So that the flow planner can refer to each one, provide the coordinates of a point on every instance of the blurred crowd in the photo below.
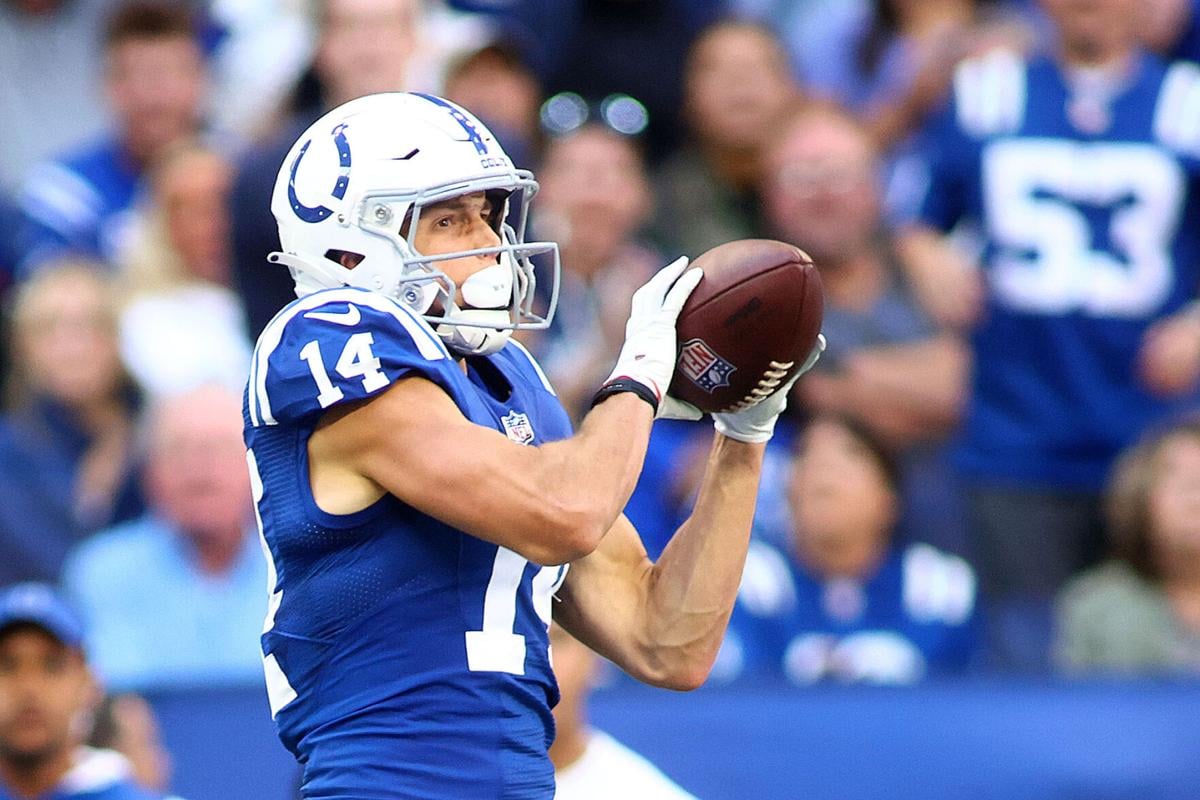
(994, 468)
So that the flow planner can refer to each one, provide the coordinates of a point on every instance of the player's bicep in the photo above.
(414, 442)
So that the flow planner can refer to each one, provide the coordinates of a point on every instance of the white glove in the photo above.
(757, 423)
(647, 358)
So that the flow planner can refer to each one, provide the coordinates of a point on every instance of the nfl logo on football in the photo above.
(703, 366)
(517, 426)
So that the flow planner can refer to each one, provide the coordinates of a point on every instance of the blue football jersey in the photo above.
(1086, 206)
(914, 617)
(404, 658)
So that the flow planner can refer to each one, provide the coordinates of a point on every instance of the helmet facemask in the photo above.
(478, 316)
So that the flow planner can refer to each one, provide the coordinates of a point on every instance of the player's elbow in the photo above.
(683, 677)
(567, 534)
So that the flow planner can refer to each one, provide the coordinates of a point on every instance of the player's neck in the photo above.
(27, 780)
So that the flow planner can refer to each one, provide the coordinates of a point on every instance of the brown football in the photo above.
(748, 325)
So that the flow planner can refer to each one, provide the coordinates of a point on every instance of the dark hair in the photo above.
(1127, 498)
(883, 454)
(149, 19)
(497, 53)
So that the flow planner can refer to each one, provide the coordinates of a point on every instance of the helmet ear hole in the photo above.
(346, 258)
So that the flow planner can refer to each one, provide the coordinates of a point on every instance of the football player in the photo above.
(419, 489)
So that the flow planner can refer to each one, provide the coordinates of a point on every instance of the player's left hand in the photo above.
(1169, 361)
(757, 423)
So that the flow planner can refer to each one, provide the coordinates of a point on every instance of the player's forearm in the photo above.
(693, 586)
(590, 476)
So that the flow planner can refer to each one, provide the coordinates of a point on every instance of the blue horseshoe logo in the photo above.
(318, 213)
(473, 135)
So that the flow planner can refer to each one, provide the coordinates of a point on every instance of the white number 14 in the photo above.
(356, 360)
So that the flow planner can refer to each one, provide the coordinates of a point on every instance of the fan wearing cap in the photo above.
(47, 693)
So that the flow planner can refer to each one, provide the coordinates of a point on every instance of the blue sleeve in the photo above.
(337, 347)
(59, 214)
(944, 156)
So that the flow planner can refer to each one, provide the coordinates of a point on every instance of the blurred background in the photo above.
(975, 569)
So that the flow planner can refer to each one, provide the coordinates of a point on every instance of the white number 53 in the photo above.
(1034, 191)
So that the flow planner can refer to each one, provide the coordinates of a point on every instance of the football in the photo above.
(748, 325)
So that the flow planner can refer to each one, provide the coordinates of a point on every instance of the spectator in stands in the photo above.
(588, 763)
(126, 723)
(594, 201)
(889, 367)
(500, 88)
(47, 693)
(66, 455)
(601, 47)
(154, 83)
(737, 86)
(50, 98)
(181, 324)
(363, 47)
(1078, 310)
(1140, 612)
(843, 599)
(906, 54)
(176, 598)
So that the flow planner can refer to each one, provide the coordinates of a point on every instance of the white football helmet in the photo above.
(361, 174)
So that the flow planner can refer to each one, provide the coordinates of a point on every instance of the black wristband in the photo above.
(626, 385)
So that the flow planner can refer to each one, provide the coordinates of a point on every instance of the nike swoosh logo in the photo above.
(348, 318)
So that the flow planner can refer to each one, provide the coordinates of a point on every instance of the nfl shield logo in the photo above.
(517, 427)
(704, 367)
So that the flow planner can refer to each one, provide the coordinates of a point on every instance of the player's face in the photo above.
(841, 501)
(45, 689)
(1175, 497)
(461, 223)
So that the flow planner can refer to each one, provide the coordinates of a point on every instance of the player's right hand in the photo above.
(648, 355)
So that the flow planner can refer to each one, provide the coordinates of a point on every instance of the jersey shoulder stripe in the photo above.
(536, 366)
(990, 94)
(324, 315)
(1177, 112)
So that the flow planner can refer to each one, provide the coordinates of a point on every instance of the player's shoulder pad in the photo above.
(1177, 110)
(337, 346)
(938, 586)
(990, 94)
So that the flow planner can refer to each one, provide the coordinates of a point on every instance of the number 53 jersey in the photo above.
(403, 658)
(1084, 193)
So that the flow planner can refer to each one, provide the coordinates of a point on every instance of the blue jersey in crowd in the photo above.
(913, 617)
(404, 658)
(95, 775)
(1087, 206)
(79, 204)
